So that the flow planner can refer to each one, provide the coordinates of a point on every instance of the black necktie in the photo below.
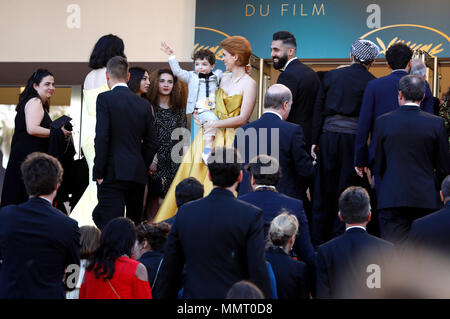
(205, 76)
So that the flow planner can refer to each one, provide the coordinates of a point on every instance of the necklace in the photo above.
(237, 79)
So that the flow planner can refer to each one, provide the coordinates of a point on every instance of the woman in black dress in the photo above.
(31, 132)
(168, 98)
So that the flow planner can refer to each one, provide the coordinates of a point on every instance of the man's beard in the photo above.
(281, 62)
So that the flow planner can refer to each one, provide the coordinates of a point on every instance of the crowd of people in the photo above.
(279, 207)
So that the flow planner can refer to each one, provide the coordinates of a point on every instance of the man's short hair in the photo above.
(412, 87)
(445, 187)
(117, 67)
(274, 98)
(398, 55)
(204, 54)
(354, 205)
(187, 190)
(286, 37)
(224, 165)
(418, 68)
(41, 174)
(259, 168)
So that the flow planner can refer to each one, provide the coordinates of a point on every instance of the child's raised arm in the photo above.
(166, 48)
(183, 75)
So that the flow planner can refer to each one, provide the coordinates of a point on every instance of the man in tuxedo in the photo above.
(380, 97)
(335, 121)
(432, 231)
(299, 78)
(352, 264)
(218, 237)
(266, 196)
(272, 135)
(125, 143)
(37, 241)
(411, 159)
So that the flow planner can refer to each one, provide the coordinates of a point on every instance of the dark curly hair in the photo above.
(117, 239)
(29, 92)
(136, 75)
(204, 54)
(107, 46)
(154, 233)
(178, 96)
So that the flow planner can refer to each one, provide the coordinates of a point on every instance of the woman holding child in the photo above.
(234, 103)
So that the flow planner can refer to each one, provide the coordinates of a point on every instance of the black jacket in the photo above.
(411, 158)
(220, 239)
(273, 203)
(291, 275)
(341, 93)
(37, 243)
(304, 85)
(289, 149)
(431, 232)
(125, 138)
(343, 264)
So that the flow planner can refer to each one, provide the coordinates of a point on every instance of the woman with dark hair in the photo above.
(112, 274)
(31, 132)
(235, 101)
(149, 248)
(139, 81)
(167, 95)
(106, 47)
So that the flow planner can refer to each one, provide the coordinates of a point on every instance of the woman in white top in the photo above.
(95, 83)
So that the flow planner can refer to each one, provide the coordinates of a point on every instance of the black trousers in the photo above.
(334, 173)
(395, 223)
(113, 196)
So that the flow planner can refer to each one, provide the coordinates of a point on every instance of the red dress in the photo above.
(123, 285)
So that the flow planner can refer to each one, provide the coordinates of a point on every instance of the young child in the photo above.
(202, 85)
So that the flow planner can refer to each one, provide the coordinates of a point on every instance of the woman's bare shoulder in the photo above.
(33, 103)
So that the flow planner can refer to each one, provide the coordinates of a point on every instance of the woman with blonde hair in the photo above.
(290, 274)
(235, 101)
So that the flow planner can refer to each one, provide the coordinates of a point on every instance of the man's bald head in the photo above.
(276, 96)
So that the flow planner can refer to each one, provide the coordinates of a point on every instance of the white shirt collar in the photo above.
(265, 186)
(355, 227)
(287, 63)
(273, 112)
(398, 70)
(412, 103)
(119, 84)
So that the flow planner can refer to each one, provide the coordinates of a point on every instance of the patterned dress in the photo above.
(167, 120)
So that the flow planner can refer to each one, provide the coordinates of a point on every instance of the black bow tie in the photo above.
(205, 76)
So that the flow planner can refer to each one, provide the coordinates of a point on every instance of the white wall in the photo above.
(38, 31)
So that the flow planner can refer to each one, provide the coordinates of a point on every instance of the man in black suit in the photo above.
(335, 121)
(272, 135)
(411, 159)
(124, 147)
(299, 78)
(266, 196)
(219, 238)
(352, 264)
(432, 231)
(37, 241)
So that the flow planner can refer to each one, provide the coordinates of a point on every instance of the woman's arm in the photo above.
(34, 113)
(248, 104)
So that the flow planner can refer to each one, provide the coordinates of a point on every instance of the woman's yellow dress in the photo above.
(192, 164)
(82, 212)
